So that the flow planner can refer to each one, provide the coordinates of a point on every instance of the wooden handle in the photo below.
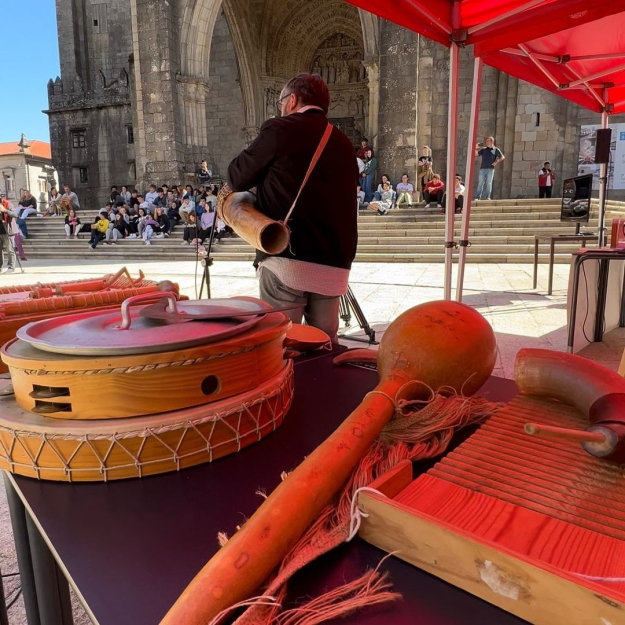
(240, 567)
(548, 431)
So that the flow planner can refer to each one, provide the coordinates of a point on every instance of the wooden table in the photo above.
(553, 238)
(129, 548)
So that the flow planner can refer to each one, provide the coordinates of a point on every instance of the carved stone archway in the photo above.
(198, 19)
(296, 32)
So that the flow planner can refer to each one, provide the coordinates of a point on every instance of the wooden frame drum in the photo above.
(76, 450)
(88, 387)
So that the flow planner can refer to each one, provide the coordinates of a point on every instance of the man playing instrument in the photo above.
(314, 269)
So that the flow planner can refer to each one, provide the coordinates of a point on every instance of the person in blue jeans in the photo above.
(368, 175)
(491, 157)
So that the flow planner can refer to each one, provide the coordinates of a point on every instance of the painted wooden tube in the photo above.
(591, 388)
(463, 341)
(237, 211)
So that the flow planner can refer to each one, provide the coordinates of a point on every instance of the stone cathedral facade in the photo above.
(148, 88)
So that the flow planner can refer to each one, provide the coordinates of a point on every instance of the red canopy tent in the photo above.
(570, 47)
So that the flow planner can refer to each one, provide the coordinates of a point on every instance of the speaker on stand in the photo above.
(602, 157)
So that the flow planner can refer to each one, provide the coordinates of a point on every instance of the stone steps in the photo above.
(501, 231)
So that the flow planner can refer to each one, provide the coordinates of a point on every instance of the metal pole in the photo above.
(468, 180)
(452, 142)
(603, 186)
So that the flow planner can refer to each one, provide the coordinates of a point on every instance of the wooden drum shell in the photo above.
(73, 450)
(112, 387)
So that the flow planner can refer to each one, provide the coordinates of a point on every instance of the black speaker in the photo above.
(602, 147)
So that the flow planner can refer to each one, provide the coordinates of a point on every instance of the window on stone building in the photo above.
(130, 134)
(79, 138)
(42, 183)
(99, 19)
(81, 174)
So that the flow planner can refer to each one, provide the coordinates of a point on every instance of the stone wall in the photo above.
(108, 158)
(397, 109)
(92, 96)
(224, 103)
(190, 91)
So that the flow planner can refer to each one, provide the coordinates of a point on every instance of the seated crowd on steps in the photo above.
(428, 189)
(128, 215)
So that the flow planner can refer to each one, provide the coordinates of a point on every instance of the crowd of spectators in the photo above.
(427, 191)
(131, 214)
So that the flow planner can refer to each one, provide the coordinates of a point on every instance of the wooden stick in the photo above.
(548, 431)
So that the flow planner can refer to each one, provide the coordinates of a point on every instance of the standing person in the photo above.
(363, 149)
(7, 216)
(433, 191)
(404, 191)
(491, 157)
(368, 175)
(546, 178)
(425, 169)
(314, 269)
(204, 174)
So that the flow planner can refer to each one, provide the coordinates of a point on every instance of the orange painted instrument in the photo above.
(531, 523)
(112, 395)
(438, 344)
(237, 210)
(20, 305)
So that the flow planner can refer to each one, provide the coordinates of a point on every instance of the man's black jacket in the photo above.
(323, 224)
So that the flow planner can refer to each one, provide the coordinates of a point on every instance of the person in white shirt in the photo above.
(459, 190)
(404, 191)
(360, 196)
(386, 201)
(151, 195)
(186, 208)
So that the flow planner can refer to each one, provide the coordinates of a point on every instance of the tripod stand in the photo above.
(207, 263)
(349, 304)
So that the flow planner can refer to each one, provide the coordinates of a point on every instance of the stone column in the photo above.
(398, 92)
(193, 96)
(373, 82)
(158, 132)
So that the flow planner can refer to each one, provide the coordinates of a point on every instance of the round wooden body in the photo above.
(114, 387)
(73, 450)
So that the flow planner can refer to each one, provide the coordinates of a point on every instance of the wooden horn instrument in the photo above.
(591, 388)
(438, 343)
(237, 211)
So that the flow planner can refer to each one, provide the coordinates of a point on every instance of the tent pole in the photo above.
(452, 141)
(603, 187)
(468, 180)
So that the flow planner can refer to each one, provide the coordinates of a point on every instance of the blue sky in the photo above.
(30, 57)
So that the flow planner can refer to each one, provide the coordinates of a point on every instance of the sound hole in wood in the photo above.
(44, 407)
(48, 392)
(210, 385)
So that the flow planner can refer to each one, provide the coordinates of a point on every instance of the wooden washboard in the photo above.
(513, 519)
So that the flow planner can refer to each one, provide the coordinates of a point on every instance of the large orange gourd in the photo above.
(441, 344)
